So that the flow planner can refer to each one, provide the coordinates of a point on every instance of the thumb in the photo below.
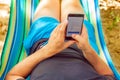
(76, 37)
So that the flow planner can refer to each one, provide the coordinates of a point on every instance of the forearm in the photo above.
(56, 43)
(99, 65)
(24, 68)
(83, 43)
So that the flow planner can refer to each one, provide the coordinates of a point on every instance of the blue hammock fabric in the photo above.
(91, 8)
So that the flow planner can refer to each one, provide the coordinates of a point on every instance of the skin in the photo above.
(56, 41)
(45, 8)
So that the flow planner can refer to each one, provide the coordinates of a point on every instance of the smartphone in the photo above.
(75, 24)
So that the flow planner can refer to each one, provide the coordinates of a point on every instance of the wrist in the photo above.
(87, 48)
(48, 52)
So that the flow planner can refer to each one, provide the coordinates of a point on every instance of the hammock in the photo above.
(21, 14)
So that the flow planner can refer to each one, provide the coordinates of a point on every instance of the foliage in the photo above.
(115, 17)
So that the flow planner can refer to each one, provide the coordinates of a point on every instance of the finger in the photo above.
(60, 29)
(64, 25)
(76, 37)
(84, 30)
(56, 30)
(67, 44)
(63, 28)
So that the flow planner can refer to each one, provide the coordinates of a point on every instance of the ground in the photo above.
(111, 28)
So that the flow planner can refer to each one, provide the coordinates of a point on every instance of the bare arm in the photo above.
(55, 44)
(22, 69)
(99, 65)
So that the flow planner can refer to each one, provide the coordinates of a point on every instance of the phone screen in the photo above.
(75, 24)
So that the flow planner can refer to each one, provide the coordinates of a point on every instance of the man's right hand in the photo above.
(56, 41)
(82, 40)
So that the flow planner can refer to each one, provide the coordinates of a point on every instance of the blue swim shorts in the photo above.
(42, 28)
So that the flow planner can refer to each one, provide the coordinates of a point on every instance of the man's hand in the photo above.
(99, 65)
(82, 40)
(56, 41)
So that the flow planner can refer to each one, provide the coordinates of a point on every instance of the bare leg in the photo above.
(70, 6)
(50, 8)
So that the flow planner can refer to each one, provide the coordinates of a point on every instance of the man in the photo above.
(57, 59)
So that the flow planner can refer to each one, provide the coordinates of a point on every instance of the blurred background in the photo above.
(4, 19)
(110, 14)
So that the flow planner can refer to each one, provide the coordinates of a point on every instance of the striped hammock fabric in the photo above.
(21, 14)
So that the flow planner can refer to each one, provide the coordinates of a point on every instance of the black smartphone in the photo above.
(75, 24)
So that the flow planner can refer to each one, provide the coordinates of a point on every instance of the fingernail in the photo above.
(73, 35)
